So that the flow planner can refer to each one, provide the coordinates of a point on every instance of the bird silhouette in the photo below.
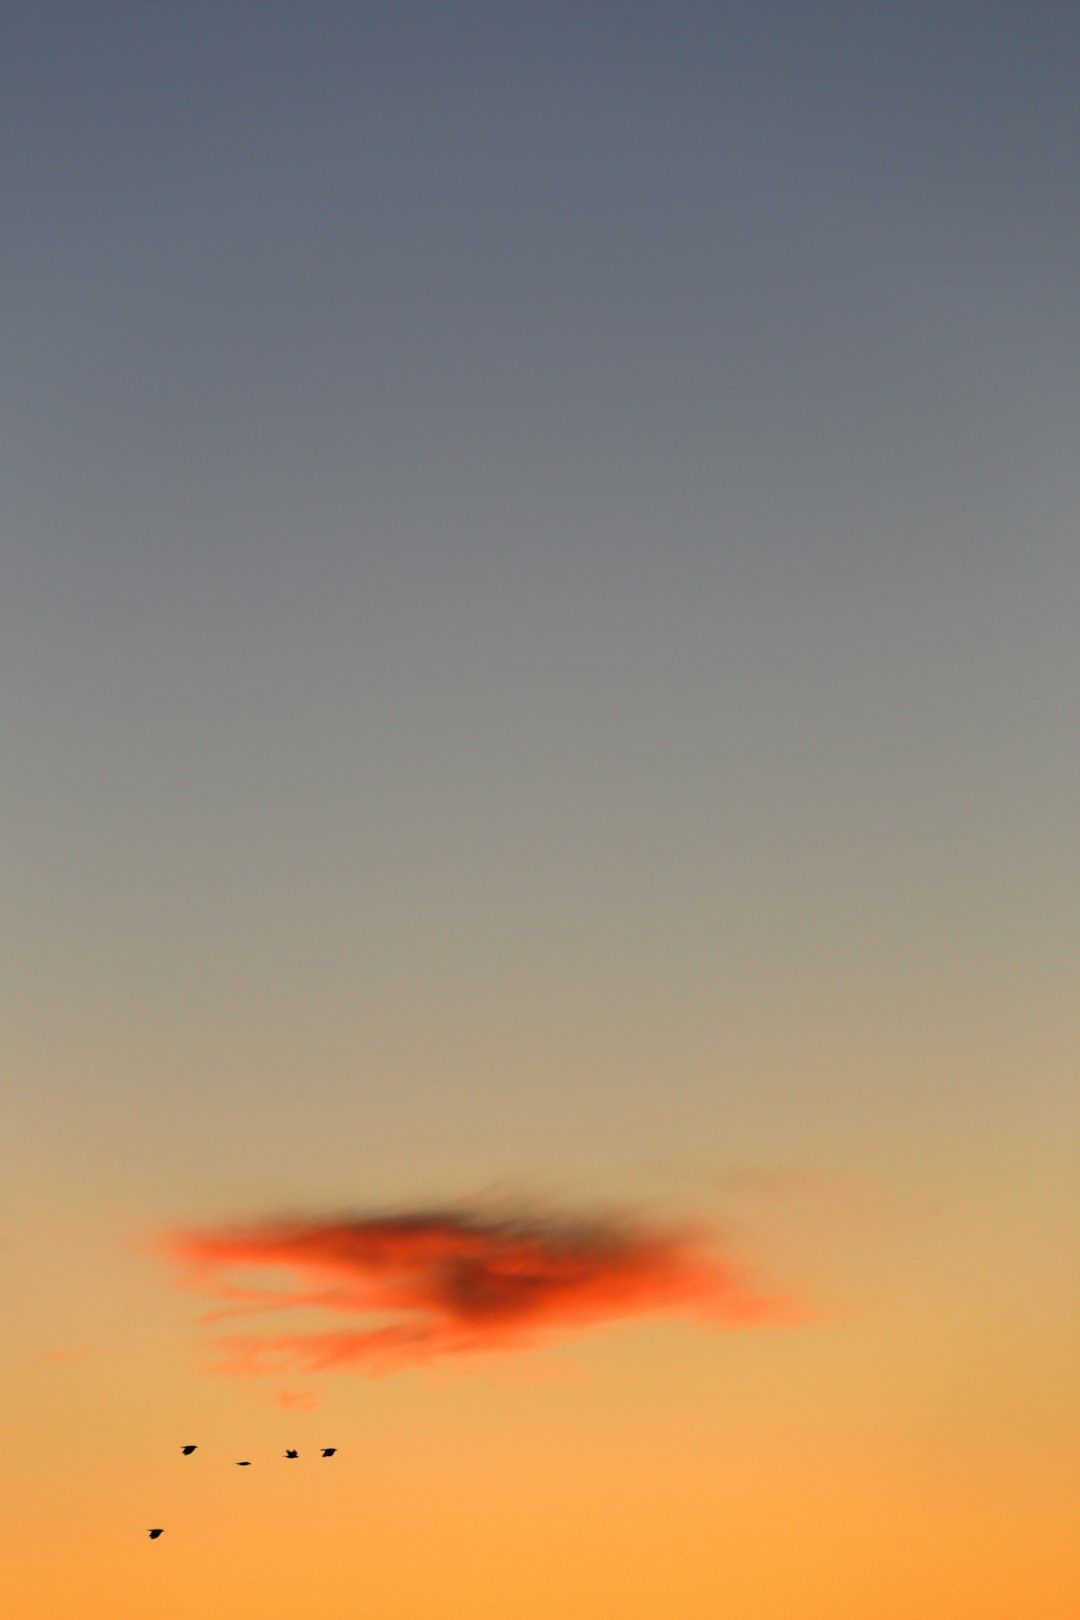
(187, 1450)
(328, 1451)
(153, 1534)
(243, 1465)
(292, 1454)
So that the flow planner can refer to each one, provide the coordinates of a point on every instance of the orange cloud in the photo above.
(453, 1282)
(63, 1358)
(297, 1400)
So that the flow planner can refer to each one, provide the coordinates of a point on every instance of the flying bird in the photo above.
(153, 1534)
(292, 1454)
(243, 1465)
(328, 1451)
(187, 1450)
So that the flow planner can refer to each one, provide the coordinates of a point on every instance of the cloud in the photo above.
(297, 1400)
(65, 1357)
(425, 1284)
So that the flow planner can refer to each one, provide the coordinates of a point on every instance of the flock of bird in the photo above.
(326, 1451)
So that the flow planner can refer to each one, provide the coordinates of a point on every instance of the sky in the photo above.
(538, 684)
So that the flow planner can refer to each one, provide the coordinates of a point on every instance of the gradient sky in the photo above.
(539, 674)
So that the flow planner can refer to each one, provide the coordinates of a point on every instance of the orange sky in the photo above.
(538, 684)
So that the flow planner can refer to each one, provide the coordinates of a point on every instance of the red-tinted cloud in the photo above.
(455, 1282)
(297, 1400)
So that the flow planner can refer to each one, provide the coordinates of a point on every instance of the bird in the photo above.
(243, 1465)
(153, 1534)
(328, 1451)
(292, 1454)
(187, 1450)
